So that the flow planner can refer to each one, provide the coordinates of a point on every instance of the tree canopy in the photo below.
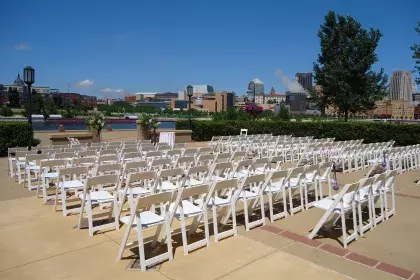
(343, 69)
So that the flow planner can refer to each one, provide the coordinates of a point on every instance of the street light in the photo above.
(29, 79)
(189, 94)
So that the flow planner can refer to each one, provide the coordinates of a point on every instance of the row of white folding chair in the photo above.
(352, 200)
(259, 184)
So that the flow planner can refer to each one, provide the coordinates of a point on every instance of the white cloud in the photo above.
(111, 90)
(85, 83)
(107, 90)
(22, 47)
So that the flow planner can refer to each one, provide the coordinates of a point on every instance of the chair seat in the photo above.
(195, 182)
(215, 178)
(247, 194)
(148, 219)
(33, 167)
(326, 203)
(136, 191)
(217, 201)
(99, 196)
(51, 175)
(166, 186)
(293, 183)
(238, 175)
(188, 208)
(75, 184)
(274, 188)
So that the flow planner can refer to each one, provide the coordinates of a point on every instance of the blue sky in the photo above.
(155, 46)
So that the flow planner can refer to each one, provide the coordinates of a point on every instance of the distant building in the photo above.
(304, 79)
(296, 101)
(401, 85)
(272, 91)
(1, 95)
(132, 98)
(182, 94)
(218, 102)
(240, 102)
(157, 104)
(255, 87)
(259, 98)
(166, 96)
(88, 100)
(179, 104)
(276, 98)
(199, 90)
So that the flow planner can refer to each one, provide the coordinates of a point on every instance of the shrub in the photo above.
(402, 134)
(15, 134)
(6, 111)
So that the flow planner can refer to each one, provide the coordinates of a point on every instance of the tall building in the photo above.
(199, 90)
(401, 86)
(255, 87)
(218, 102)
(296, 101)
(304, 79)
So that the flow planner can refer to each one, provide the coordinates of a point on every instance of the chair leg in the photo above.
(215, 224)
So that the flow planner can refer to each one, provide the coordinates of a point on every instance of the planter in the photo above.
(96, 135)
(143, 132)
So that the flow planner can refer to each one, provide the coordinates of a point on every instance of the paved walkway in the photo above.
(38, 243)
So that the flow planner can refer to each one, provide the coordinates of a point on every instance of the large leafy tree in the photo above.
(343, 69)
(416, 55)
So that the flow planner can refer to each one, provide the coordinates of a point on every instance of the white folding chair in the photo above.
(145, 217)
(136, 184)
(32, 169)
(107, 159)
(113, 168)
(389, 187)
(343, 205)
(70, 181)
(94, 194)
(221, 196)
(184, 162)
(275, 189)
(168, 180)
(251, 198)
(49, 170)
(197, 175)
(186, 209)
(295, 184)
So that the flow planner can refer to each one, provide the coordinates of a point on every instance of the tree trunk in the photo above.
(346, 115)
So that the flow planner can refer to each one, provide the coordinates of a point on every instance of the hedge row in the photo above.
(402, 134)
(14, 134)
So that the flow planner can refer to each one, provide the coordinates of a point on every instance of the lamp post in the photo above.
(189, 94)
(29, 79)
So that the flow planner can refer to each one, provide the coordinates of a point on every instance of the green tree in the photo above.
(343, 68)
(283, 115)
(266, 114)
(416, 55)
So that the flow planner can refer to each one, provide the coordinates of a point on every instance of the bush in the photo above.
(6, 111)
(402, 134)
(15, 134)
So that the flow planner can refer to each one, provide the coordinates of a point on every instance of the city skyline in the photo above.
(80, 45)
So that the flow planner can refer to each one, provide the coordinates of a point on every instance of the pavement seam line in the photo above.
(318, 265)
(165, 275)
(248, 263)
(50, 257)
